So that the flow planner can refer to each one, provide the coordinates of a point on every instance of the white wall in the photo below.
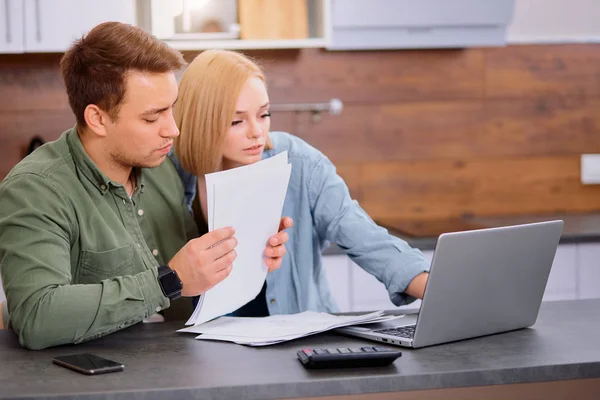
(555, 21)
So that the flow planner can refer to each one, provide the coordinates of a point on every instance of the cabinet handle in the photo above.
(38, 29)
(7, 18)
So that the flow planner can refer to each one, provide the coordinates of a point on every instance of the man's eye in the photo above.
(234, 123)
(149, 121)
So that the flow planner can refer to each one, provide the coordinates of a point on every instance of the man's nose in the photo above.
(171, 129)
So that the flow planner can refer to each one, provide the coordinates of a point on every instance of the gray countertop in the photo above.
(578, 228)
(162, 364)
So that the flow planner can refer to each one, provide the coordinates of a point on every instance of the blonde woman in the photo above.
(223, 117)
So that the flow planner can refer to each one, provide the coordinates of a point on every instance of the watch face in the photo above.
(171, 282)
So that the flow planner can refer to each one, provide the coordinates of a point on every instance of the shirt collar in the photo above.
(90, 170)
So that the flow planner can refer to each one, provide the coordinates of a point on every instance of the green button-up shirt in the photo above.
(78, 257)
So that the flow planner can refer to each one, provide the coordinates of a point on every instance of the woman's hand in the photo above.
(276, 245)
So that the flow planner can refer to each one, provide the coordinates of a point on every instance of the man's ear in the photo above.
(96, 119)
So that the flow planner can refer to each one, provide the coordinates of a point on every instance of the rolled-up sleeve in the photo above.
(341, 220)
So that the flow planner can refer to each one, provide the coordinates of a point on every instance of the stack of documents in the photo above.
(249, 199)
(278, 328)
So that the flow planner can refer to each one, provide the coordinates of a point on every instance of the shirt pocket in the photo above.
(109, 264)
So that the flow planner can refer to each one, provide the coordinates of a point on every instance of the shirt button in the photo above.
(140, 212)
(103, 187)
(155, 252)
(272, 301)
(159, 308)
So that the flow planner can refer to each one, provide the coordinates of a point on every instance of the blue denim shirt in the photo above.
(319, 202)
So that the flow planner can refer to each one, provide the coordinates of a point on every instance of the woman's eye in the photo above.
(266, 115)
(234, 123)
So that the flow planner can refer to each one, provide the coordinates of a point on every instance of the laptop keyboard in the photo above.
(407, 332)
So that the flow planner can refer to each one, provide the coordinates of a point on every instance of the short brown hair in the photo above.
(208, 93)
(95, 66)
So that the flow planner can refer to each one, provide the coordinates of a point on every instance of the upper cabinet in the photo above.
(406, 24)
(11, 26)
(51, 26)
(236, 24)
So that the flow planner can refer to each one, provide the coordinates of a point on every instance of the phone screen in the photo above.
(88, 364)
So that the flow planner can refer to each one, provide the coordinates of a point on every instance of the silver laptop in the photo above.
(481, 282)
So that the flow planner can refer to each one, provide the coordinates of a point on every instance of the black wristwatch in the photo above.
(169, 282)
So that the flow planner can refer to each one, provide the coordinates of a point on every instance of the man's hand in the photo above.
(276, 245)
(205, 261)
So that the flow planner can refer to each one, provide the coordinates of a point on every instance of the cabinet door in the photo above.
(337, 271)
(11, 26)
(589, 270)
(562, 282)
(51, 26)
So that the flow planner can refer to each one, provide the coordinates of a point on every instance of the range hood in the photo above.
(406, 24)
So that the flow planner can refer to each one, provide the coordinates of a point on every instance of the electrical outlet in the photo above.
(590, 169)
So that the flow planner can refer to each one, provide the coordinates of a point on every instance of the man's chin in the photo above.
(152, 163)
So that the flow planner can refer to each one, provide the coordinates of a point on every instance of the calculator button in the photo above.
(355, 350)
(368, 349)
(381, 349)
(332, 351)
(308, 352)
(320, 351)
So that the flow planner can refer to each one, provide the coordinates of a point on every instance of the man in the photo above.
(94, 232)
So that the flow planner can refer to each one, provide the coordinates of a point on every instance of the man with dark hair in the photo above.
(94, 232)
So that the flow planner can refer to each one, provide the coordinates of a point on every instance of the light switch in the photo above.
(590, 169)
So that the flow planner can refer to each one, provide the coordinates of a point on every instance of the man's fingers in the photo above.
(222, 274)
(209, 239)
(221, 249)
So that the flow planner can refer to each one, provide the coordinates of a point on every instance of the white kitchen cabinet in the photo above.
(562, 282)
(11, 26)
(337, 269)
(52, 25)
(589, 270)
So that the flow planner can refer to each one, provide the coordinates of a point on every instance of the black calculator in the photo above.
(347, 357)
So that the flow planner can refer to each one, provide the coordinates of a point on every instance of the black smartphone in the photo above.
(88, 364)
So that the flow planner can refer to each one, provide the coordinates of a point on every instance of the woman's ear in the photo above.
(96, 119)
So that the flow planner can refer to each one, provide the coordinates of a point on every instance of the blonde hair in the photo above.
(208, 93)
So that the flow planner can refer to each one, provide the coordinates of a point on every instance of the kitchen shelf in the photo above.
(241, 44)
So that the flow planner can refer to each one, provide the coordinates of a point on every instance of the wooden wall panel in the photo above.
(376, 77)
(31, 82)
(497, 186)
(458, 129)
(534, 71)
(423, 135)
(541, 126)
(18, 128)
(396, 131)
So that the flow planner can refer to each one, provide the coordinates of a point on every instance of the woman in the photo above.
(223, 117)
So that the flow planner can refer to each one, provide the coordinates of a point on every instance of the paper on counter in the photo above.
(278, 328)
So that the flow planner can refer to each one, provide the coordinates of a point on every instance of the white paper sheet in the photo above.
(250, 199)
(278, 328)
